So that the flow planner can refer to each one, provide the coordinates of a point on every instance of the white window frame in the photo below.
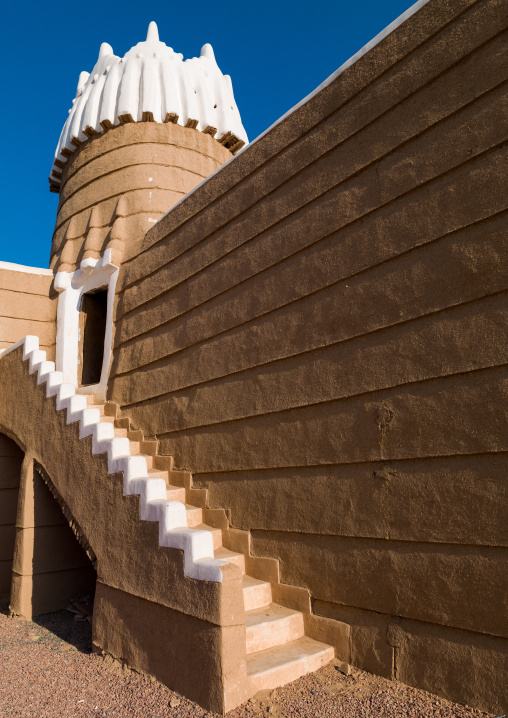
(92, 274)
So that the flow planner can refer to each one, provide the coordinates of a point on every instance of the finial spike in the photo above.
(207, 51)
(106, 49)
(83, 77)
(153, 33)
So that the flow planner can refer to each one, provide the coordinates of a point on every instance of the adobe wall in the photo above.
(197, 626)
(27, 306)
(319, 333)
(149, 166)
(49, 566)
(11, 458)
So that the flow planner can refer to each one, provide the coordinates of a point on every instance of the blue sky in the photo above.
(276, 53)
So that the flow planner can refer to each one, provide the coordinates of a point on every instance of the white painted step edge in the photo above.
(197, 544)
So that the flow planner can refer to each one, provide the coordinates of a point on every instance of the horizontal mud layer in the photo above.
(27, 306)
(423, 654)
(381, 82)
(150, 165)
(318, 332)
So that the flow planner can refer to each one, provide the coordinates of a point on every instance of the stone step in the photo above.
(271, 626)
(149, 462)
(226, 555)
(174, 493)
(90, 400)
(159, 474)
(277, 666)
(277, 649)
(149, 446)
(216, 534)
(164, 463)
(135, 448)
(256, 593)
(194, 515)
(179, 476)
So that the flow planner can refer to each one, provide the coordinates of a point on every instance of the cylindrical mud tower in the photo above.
(143, 131)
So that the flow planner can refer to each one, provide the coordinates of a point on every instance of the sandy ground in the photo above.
(47, 670)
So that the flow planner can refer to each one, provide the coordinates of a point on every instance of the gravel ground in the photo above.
(47, 670)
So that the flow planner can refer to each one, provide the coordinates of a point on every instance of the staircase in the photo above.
(277, 648)
(278, 651)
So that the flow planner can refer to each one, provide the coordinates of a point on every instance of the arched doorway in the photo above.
(11, 458)
(46, 560)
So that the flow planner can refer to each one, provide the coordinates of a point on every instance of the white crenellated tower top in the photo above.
(151, 83)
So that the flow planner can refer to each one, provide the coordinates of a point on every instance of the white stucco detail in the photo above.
(150, 83)
(197, 544)
(11, 267)
(92, 274)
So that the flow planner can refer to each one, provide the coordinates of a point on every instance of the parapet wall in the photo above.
(319, 333)
(27, 306)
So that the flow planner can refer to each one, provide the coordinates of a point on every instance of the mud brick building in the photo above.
(257, 403)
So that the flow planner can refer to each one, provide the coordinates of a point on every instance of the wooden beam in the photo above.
(90, 131)
(171, 117)
(125, 118)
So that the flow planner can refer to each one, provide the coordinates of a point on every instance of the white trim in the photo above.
(366, 48)
(28, 270)
(93, 274)
(363, 51)
(151, 78)
(197, 544)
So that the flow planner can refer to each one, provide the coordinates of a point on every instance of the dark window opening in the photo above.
(92, 325)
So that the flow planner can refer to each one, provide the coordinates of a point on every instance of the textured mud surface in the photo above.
(47, 670)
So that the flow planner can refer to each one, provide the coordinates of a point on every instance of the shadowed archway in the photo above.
(11, 459)
(45, 559)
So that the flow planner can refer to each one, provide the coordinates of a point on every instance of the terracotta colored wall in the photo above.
(49, 566)
(11, 458)
(204, 620)
(149, 166)
(27, 307)
(319, 333)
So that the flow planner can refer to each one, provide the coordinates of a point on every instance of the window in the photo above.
(92, 331)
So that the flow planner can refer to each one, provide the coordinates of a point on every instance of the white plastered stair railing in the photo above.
(196, 544)
(278, 649)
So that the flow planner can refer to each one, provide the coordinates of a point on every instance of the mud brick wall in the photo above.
(27, 308)
(319, 333)
(11, 458)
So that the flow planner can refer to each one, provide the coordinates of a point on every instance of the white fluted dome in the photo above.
(151, 83)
